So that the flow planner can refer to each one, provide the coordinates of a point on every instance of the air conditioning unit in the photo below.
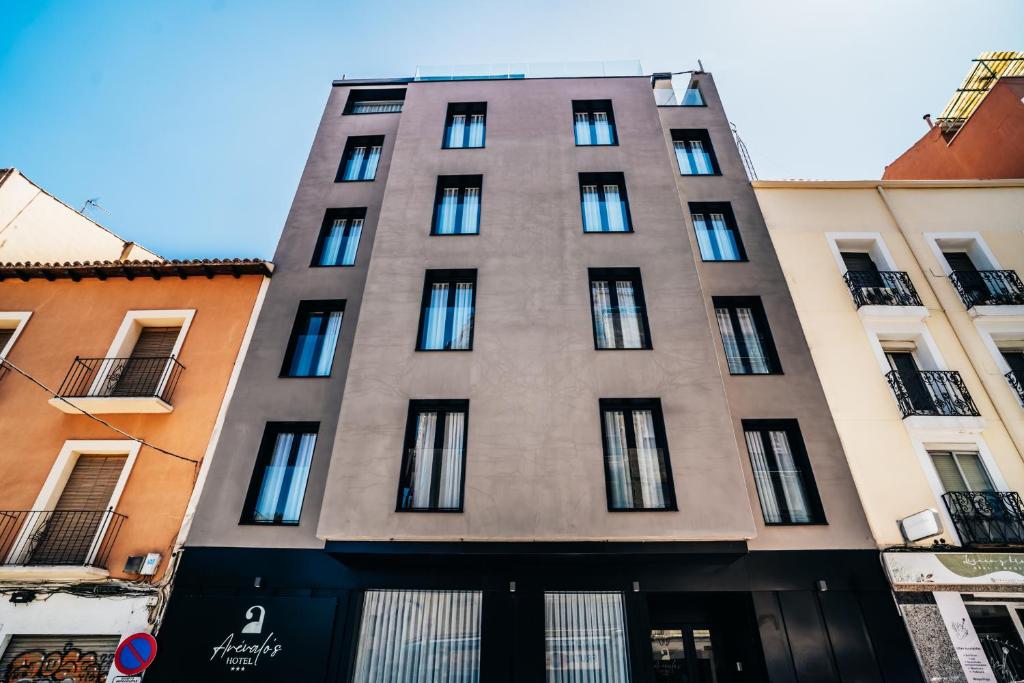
(921, 525)
(144, 565)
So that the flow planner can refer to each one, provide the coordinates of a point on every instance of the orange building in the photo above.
(91, 513)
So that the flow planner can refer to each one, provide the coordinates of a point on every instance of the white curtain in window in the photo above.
(300, 473)
(437, 310)
(724, 238)
(582, 129)
(370, 172)
(604, 321)
(423, 459)
(585, 638)
(419, 637)
(447, 211)
(330, 342)
(476, 130)
(462, 322)
(789, 474)
(471, 211)
(651, 485)
(629, 318)
(355, 164)
(704, 241)
(591, 209)
(450, 488)
(700, 160)
(457, 131)
(332, 243)
(732, 349)
(616, 211)
(348, 256)
(763, 478)
(273, 478)
(752, 340)
(616, 456)
(602, 129)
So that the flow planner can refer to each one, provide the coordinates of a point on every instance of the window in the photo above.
(717, 235)
(435, 456)
(339, 237)
(457, 205)
(604, 203)
(782, 472)
(585, 638)
(961, 471)
(619, 311)
(593, 122)
(692, 96)
(694, 152)
(360, 159)
(11, 325)
(749, 349)
(381, 101)
(278, 482)
(446, 321)
(684, 654)
(419, 637)
(314, 338)
(465, 125)
(637, 471)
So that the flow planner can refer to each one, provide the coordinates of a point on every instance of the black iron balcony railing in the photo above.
(988, 287)
(1016, 384)
(986, 517)
(58, 537)
(122, 377)
(881, 288)
(932, 392)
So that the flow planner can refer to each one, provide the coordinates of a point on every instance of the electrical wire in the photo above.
(6, 363)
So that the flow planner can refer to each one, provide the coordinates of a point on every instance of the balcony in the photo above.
(57, 544)
(986, 518)
(932, 393)
(119, 385)
(988, 287)
(881, 288)
(1016, 384)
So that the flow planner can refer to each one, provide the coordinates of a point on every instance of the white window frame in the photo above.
(872, 242)
(971, 242)
(13, 320)
(994, 331)
(128, 333)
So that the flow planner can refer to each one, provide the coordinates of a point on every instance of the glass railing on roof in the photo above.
(513, 70)
(682, 92)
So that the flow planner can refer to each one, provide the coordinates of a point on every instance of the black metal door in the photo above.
(910, 376)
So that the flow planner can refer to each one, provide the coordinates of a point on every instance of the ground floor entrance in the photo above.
(562, 613)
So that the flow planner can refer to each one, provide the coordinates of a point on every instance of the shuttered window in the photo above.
(83, 659)
(960, 471)
(144, 370)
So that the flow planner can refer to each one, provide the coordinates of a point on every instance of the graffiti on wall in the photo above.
(69, 664)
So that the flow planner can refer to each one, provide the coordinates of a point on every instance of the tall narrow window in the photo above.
(604, 203)
(594, 122)
(360, 158)
(465, 125)
(717, 236)
(446, 321)
(314, 338)
(339, 237)
(375, 101)
(694, 153)
(585, 638)
(435, 456)
(278, 482)
(457, 205)
(419, 637)
(749, 349)
(619, 311)
(961, 471)
(782, 472)
(636, 458)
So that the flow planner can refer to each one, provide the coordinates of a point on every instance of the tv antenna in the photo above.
(92, 203)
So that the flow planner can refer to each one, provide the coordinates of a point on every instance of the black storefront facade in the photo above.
(692, 611)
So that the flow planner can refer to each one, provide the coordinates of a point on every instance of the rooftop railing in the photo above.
(518, 70)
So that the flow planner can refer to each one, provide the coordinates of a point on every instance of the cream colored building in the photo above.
(36, 227)
(909, 295)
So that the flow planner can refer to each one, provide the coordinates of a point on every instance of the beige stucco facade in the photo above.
(905, 226)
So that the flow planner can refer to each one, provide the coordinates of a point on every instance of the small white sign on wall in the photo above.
(965, 639)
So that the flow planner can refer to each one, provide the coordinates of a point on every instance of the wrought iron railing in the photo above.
(932, 392)
(988, 287)
(986, 517)
(122, 377)
(881, 288)
(58, 537)
(1016, 383)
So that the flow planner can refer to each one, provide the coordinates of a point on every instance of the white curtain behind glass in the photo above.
(342, 241)
(629, 318)
(370, 172)
(300, 473)
(433, 330)
(651, 486)
(602, 129)
(582, 129)
(457, 131)
(355, 163)
(471, 211)
(330, 342)
(792, 481)
(716, 241)
(585, 638)
(450, 486)
(476, 130)
(447, 212)
(604, 320)
(755, 350)
(591, 209)
(419, 637)
(614, 207)
(462, 314)
(273, 478)
(284, 482)
(616, 454)
(732, 349)
(423, 459)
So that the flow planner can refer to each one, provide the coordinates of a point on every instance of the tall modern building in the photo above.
(529, 399)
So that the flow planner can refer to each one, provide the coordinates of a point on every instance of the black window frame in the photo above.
(451, 276)
(357, 95)
(724, 208)
(441, 406)
(467, 109)
(589, 107)
(764, 330)
(461, 182)
(635, 278)
(305, 307)
(351, 143)
(702, 134)
(660, 435)
(266, 449)
(331, 215)
(600, 179)
(791, 427)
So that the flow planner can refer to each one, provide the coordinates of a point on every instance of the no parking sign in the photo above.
(135, 653)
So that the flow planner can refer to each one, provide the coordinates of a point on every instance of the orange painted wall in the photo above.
(989, 146)
(70, 319)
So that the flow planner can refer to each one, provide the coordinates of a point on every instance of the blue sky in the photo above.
(192, 120)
